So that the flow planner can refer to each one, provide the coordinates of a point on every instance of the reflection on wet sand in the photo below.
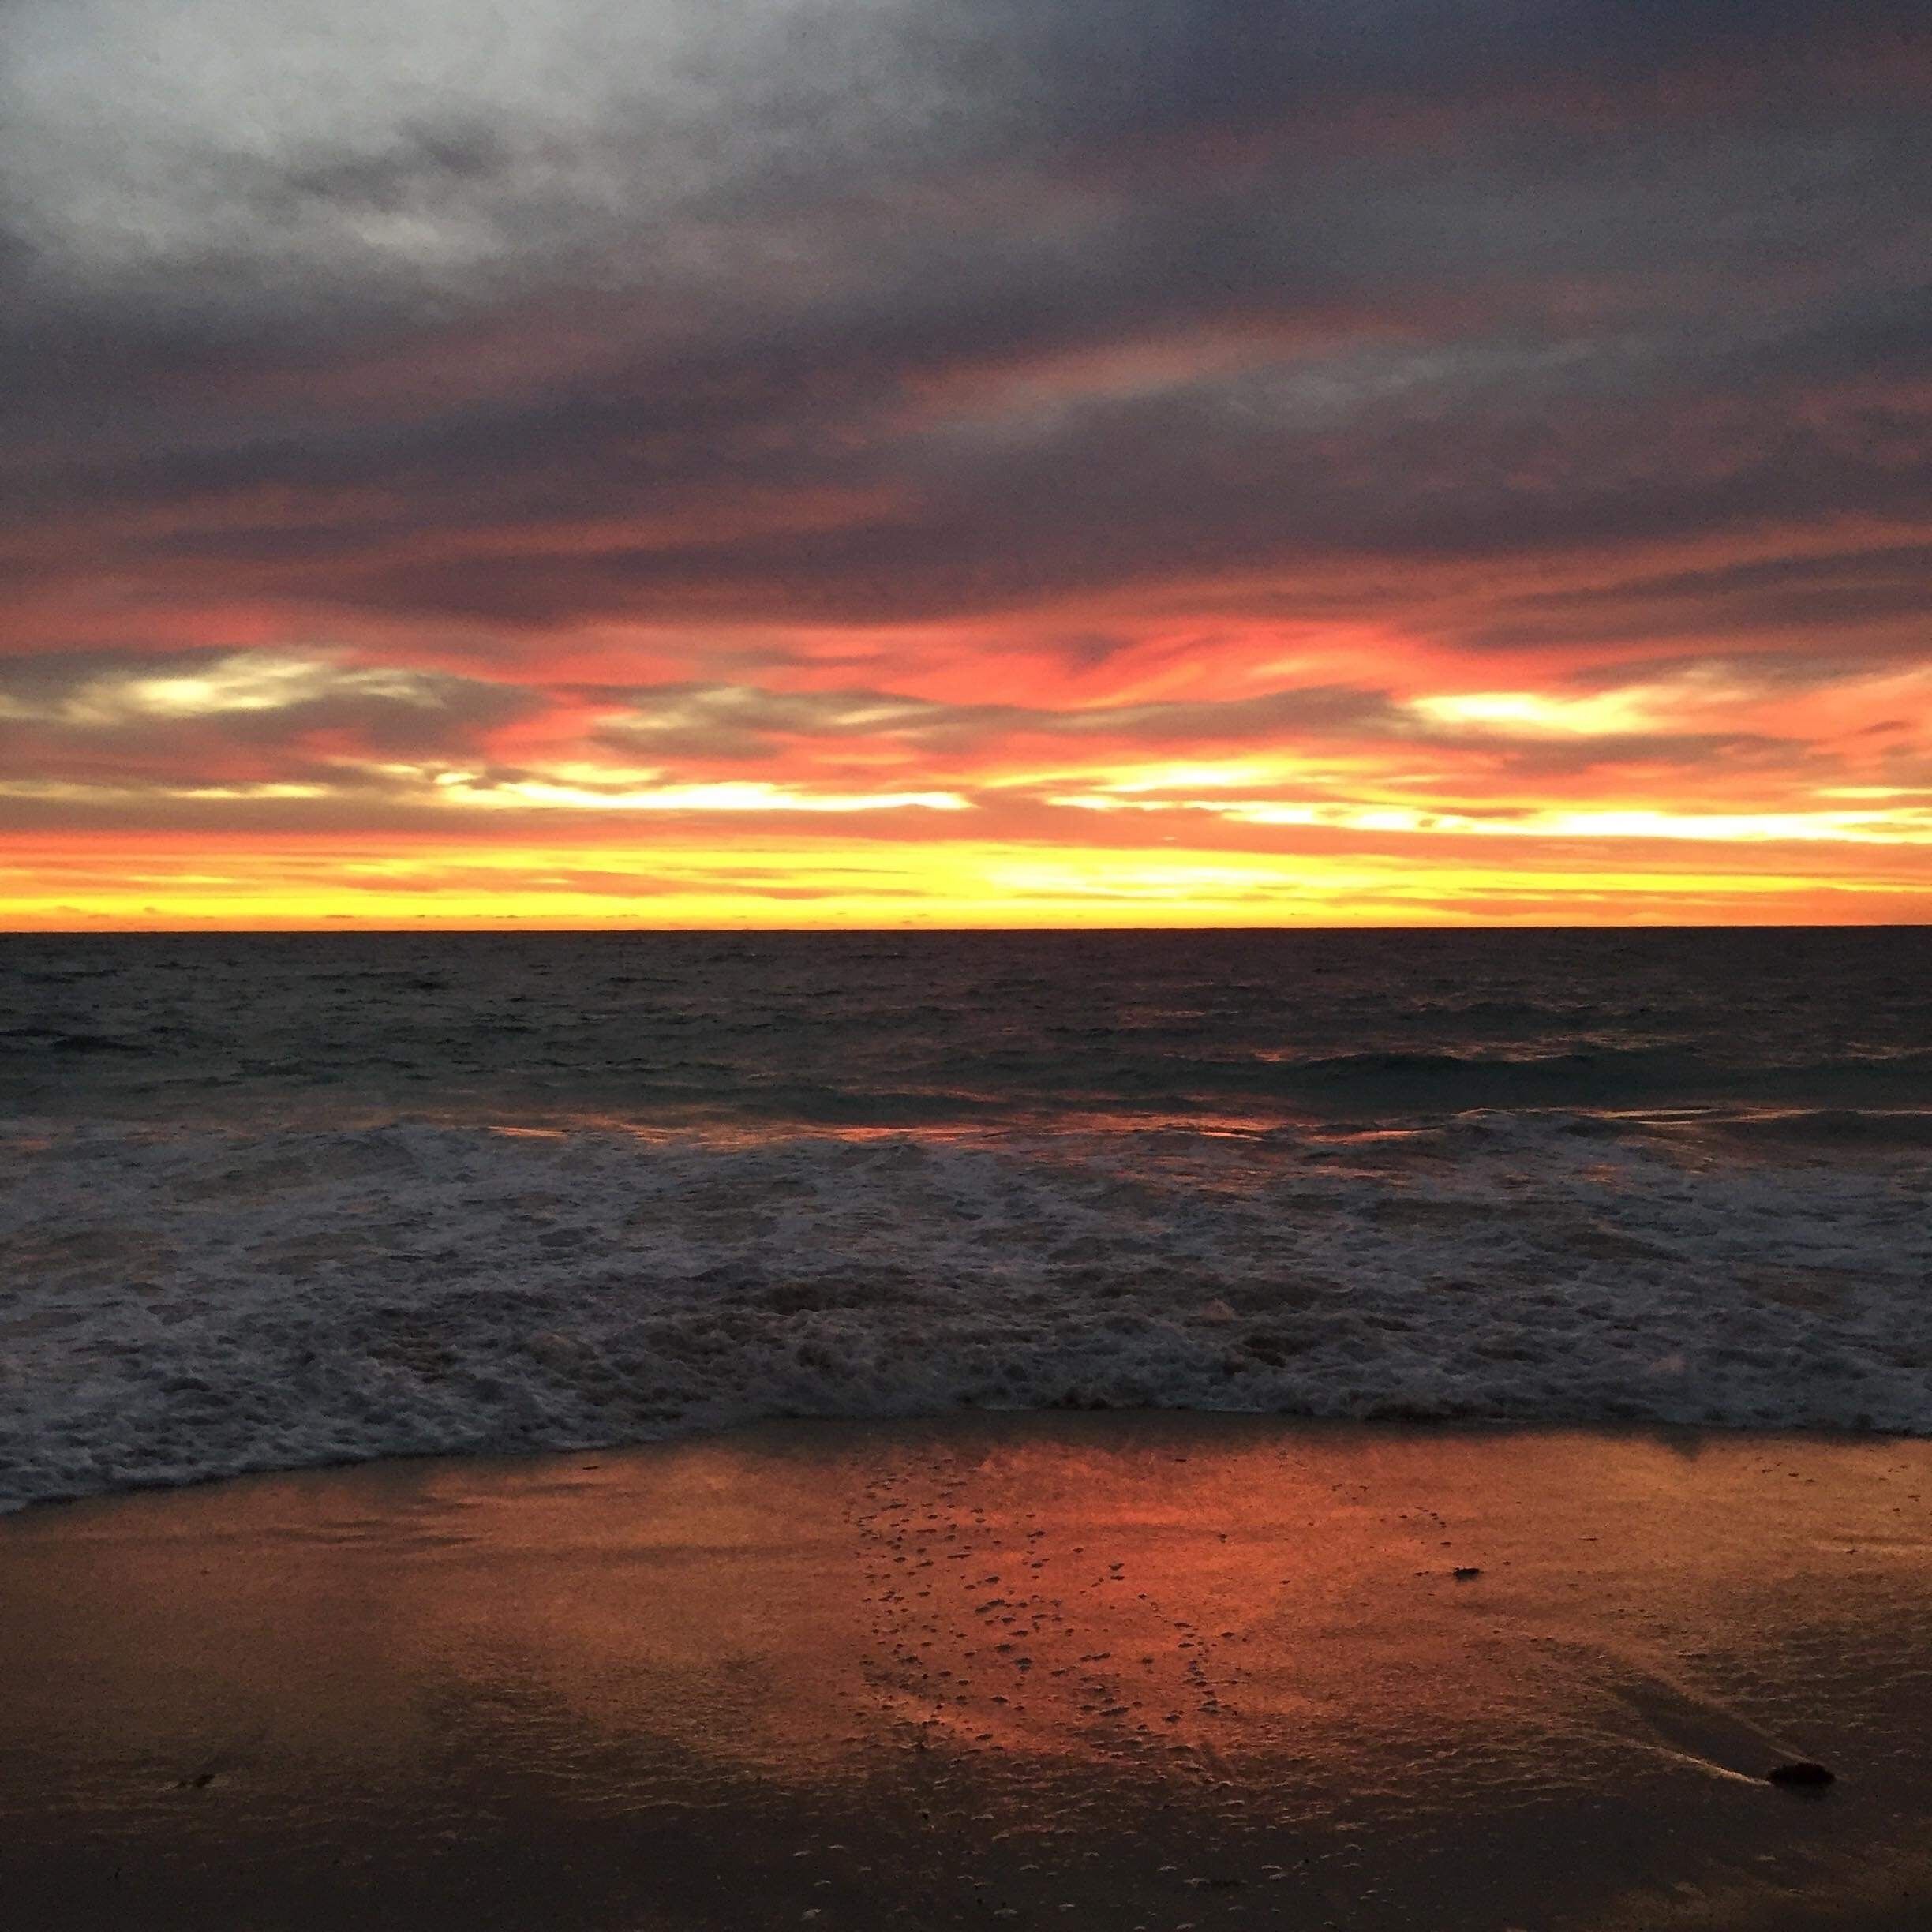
(1078, 1670)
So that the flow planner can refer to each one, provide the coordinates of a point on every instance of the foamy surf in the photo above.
(196, 1302)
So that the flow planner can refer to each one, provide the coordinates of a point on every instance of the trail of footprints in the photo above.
(945, 1579)
(986, 1656)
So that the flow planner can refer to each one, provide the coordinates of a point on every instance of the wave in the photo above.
(524, 1066)
(190, 1303)
(58, 1040)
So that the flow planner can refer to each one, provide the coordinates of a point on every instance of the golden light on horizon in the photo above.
(686, 880)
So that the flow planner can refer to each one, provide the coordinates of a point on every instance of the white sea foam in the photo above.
(178, 1305)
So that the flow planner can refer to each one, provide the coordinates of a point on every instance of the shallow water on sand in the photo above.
(1072, 1671)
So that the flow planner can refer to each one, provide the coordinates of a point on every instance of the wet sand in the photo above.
(1105, 1672)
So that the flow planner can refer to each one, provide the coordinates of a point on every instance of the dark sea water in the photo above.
(272, 1200)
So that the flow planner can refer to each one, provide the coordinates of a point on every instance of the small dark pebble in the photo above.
(1802, 1773)
(1467, 1570)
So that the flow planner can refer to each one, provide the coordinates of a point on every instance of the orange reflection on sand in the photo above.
(1078, 1665)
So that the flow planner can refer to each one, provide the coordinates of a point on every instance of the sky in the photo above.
(882, 463)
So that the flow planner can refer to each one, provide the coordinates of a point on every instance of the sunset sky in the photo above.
(965, 461)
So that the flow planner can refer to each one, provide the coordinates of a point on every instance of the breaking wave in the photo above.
(196, 1301)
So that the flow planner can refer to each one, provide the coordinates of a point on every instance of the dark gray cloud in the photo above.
(807, 309)
(1870, 604)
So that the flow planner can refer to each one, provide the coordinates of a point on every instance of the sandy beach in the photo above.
(1063, 1671)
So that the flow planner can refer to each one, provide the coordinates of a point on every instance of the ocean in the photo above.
(276, 1200)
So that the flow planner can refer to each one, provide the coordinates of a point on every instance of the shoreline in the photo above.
(975, 1418)
(1038, 1668)
(970, 1419)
